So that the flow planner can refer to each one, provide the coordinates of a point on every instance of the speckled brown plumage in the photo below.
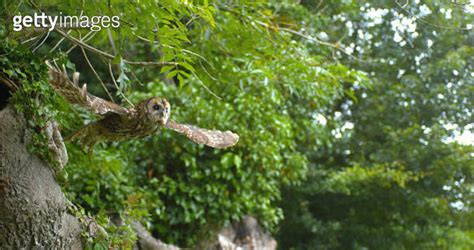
(119, 123)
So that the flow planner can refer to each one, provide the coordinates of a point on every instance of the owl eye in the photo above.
(156, 107)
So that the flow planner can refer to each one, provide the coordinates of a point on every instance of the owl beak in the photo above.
(164, 121)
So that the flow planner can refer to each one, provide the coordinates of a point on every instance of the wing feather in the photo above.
(73, 94)
(211, 138)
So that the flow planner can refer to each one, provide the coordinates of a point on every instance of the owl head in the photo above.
(157, 110)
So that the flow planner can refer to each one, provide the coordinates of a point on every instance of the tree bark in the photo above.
(33, 210)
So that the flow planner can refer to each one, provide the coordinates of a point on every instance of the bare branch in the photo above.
(135, 76)
(115, 83)
(107, 55)
(85, 39)
(29, 40)
(97, 75)
(42, 42)
(314, 39)
(111, 41)
(335, 46)
(58, 43)
(147, 241)
(9, 83)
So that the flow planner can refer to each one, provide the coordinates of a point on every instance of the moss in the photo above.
(34, 98)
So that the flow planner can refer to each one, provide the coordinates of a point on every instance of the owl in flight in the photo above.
(118, 123)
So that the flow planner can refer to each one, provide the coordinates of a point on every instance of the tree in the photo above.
(221, 64)
(33, 210)
(390, 170)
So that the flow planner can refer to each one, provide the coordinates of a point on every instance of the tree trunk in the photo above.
(34, 213)
(33, 210)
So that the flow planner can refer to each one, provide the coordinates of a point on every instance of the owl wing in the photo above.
(73, 94)
(211, 138)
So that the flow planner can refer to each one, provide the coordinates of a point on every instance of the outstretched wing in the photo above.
(73, 94)
(211, 138)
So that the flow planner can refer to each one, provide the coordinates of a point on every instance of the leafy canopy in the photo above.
(221, 65)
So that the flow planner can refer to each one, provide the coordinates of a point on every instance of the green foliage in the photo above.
(244, 86)
(34, 98)
(100, 233)
(366, 160)
(156, 29)
(387, 172)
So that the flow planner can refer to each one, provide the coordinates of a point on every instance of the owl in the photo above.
(119, 123)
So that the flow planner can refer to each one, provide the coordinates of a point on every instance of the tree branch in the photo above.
(107, 55)
(335, 46)
(147, 241)
(97, 75)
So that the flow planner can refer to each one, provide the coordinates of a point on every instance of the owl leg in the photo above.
(87, 136)
(72, 136)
